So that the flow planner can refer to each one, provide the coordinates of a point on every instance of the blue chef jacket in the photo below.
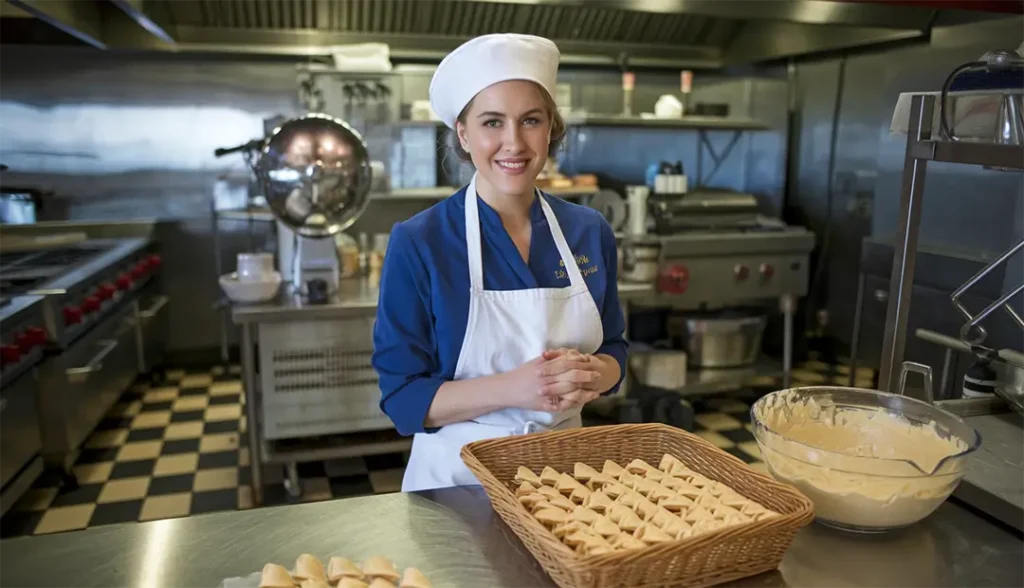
(424, 292)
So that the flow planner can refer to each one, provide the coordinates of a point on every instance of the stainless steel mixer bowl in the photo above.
(316, 175)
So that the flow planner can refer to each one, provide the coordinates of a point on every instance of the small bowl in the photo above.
(862, 492)
(248, 292)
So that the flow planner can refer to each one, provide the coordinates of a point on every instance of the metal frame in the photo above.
(922, 148)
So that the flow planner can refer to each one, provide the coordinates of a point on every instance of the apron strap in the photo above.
(473, 246)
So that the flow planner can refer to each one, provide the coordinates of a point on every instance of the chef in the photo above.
(498, 311)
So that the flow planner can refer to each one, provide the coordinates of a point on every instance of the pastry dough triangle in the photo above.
(380, 567)
(598, 502)
(275, 576)
(600, 480)
(630, 522)
(667, 462)
(567, 529)
(676, 503)
(583, 472)
(551, 516)
(339, 567)
(638, 466)
(308, 566)
(352, 583)
(531, 500)
(612, 469)
(525, 489)
(675, 527)
(523, 474)
(614, 490)
(580, 495)
(563, 503)
(645, 508)
(627, 541)
(413, 578)
(566, 484)
(584, 515)
(605, 527)
(314, 583)
(381, 583)
(549, 476)
(651, 534)
(548, 491)
(697, 514)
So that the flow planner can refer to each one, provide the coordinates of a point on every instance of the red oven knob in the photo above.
(766, 270)
(106, 291)
(154, 261)
(91, 304)
(10, 354)
(124, 282)
(741, 272)
(674, 279)
(23, 342)
(72, 315)
(139, 270)
(37, 335)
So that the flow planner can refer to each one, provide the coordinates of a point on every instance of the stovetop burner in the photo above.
(24, 271)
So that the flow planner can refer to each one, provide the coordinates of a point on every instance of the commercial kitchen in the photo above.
(818, 207)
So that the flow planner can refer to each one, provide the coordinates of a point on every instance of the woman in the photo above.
(486, 325)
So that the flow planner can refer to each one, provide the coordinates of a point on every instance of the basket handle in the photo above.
(926, 373)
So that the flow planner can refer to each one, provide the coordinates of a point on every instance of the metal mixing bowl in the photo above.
(316, 175)
(854, 492)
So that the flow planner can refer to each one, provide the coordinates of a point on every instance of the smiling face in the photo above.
(507, 131)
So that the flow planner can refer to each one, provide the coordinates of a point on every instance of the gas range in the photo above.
(80, 283)
(23, 337)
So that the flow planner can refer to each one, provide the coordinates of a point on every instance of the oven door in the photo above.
(152, 326)
(19, 426)
(81, 384)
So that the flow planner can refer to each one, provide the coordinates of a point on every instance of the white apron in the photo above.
(505, 330)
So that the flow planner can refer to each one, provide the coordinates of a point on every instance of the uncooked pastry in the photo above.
(894, 493)
(275, 576)
(376, 572)
(309, 567)
(380, 567)
(339, 567)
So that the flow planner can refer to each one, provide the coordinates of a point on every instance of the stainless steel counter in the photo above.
(994, 480)
(355, 297)
(457, 540)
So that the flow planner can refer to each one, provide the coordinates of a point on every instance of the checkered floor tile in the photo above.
(179, 449)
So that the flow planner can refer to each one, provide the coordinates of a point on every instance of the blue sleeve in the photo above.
(612, 320)
(404, 354)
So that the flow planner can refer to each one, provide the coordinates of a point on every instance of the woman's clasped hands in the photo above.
(558, 380)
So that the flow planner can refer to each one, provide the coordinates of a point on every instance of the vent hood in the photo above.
(649, 33)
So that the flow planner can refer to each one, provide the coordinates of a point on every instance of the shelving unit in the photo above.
(922, 147)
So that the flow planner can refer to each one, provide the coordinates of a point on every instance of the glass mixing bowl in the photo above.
(857, 481)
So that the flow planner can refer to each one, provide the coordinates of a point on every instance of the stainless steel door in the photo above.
(79, 386)
(19, 426)
(152, 327)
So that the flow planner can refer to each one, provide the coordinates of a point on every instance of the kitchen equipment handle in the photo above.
(918, 368)
(95, 364)
(972, 332)
(156, 308)
(943, 340)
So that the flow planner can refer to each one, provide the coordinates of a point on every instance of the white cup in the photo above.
(254, 267)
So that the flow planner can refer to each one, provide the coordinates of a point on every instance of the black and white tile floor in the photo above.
(179, 449)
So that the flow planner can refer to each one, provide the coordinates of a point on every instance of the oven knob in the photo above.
(154, 261)
(91, 304)
(106, 291)
(741, 272)
(766, 270)
(37, 335)
(139, 270)
(124, 282)
(10, 354)
(24, 342)
(674, 280)
(72, 315)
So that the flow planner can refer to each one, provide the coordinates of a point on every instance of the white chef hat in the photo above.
(485, 61)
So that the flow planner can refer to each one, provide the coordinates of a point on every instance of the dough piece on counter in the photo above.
(523, 474)
(347, 582)
(339, 567)
(381, 583)
(612, 469)
(580, 495)
(413, 578)
(380, 567)
(275, 576)
(551, 516)
(549, 476)
(525, 489)
(314, 583)
(598, 502)
(309, 567)
(583, 472)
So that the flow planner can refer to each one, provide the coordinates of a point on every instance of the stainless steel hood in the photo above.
(670, 33)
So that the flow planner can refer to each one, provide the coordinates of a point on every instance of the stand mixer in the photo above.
(315, 173)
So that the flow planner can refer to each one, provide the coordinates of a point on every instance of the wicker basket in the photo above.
(719, 556)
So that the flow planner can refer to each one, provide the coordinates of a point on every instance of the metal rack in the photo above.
(923, 147)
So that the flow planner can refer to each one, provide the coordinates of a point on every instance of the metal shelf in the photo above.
(687, 122)
(970, 153)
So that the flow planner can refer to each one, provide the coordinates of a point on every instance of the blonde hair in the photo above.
(558, 128)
